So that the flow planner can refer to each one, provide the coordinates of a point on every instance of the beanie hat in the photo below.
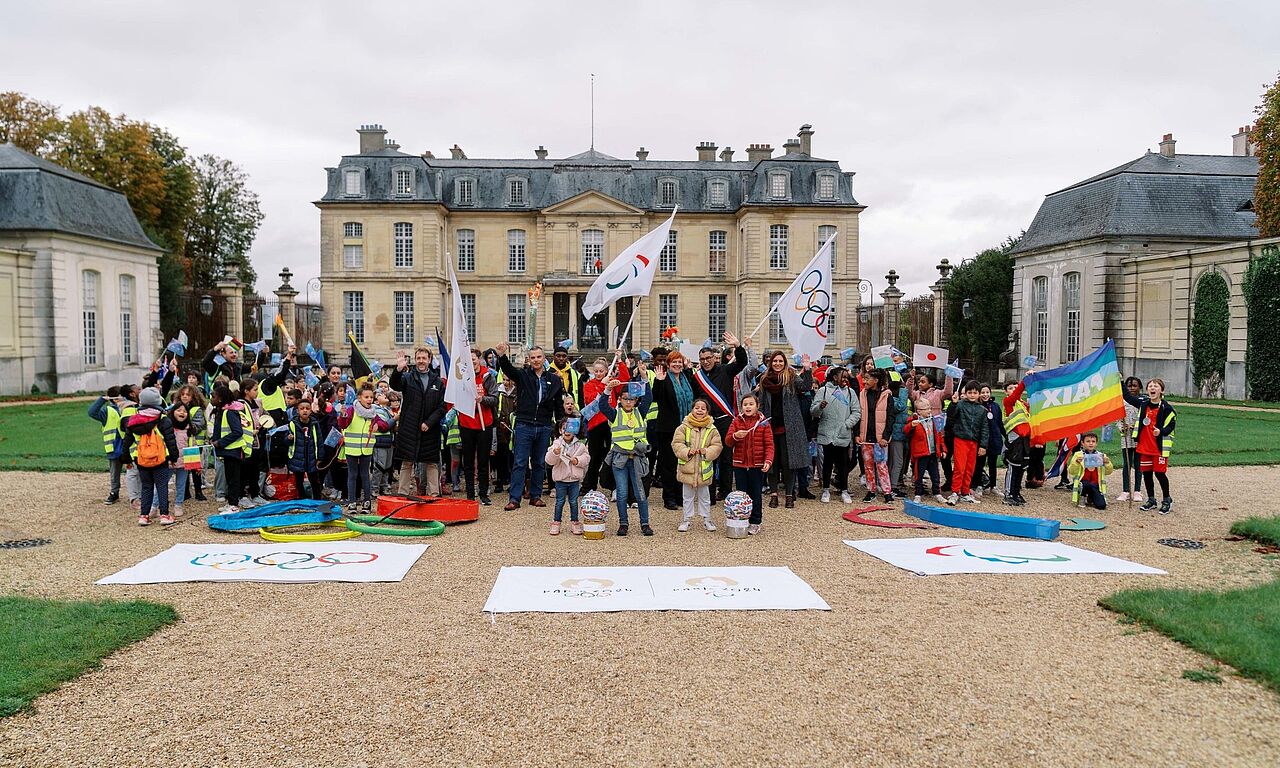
(150, 397)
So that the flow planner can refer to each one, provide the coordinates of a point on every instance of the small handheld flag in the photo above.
(566, 345)
(444, 351)
(360, 368)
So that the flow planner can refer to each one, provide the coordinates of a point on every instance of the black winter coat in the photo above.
(419, 406)
(721, 377)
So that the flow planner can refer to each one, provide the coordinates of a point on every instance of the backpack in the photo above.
(151, 449)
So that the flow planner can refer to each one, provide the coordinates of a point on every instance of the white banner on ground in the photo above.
(350, 560)
(657, 588)
(934, 556)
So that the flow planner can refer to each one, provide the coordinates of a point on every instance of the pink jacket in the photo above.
(561, 470)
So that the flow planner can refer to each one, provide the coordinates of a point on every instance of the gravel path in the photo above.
(939, 671)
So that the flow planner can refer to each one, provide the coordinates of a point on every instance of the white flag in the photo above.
(806, 306)
(925, 356)
(460, 390)
(631, 273)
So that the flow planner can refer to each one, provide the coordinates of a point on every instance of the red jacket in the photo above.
(592, 388)
(756, 449)
(483, 418)
(917, 432)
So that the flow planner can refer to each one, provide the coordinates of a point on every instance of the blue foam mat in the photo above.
(990, 522)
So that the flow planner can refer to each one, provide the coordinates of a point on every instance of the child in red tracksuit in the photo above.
(1017, 450)
(926, 448)
(970, 429)
(751, 439)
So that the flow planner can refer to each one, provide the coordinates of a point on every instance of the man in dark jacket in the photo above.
(539, 407)
(232, 368)
(721, 376)
(418, 433)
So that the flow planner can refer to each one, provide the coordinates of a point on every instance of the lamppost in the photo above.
(313, 281)
(866, 288)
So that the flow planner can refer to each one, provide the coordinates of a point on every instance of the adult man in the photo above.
(720, 375)
(418, 433)
(570, 379)
(539, 407)
(232, 368)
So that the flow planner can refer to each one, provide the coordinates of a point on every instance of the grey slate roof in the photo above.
(37, 195)
(551, 181)
(1185, 197)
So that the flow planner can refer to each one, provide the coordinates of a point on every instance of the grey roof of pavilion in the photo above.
(1184, 197)
(550, 181)
(37, 195)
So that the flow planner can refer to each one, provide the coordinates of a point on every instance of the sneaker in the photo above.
(201, 497)
(871, 496)
(888, 498)
(136, 504)
(259, 501)
(622, 529)
(613, 495)
(977, 493)
(1148, 506)
(1124, 496)
(576, 528)
(112, 499)
(1136, 495)
(826, 496)
(368, 507)
(353, 508)
(940, 498)
(706, 523)
(916, 499)
(144, 520)
(167, 520)
(1166, 506)
(969, 499)
(646, 530)
(845, 498)
(247, 503)
(486, 501)
(753, 529)
(683, 526)
(220, 500)
(1020, 500)
(177, 510)
(555, 529)
(953, 498)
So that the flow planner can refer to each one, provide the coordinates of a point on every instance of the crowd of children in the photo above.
(622, 424)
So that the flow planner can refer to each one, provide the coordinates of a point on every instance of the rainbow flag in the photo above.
(1076, 397)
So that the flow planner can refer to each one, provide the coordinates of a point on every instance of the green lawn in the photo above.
(1212, 437)
(1264, 530)
(53, 437)
(1244, 403)
(44, 643)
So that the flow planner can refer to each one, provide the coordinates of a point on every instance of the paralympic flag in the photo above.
(460, 388)
(1077, 397)
(806, 306)
(631, 273)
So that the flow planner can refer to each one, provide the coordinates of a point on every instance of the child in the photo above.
(970, 428)
(383, 441)
(106, 411)
(878, 412)
(568, 458)
(180, 417)
(838, 412)
(156, 451)
(1088, 471)
(926, 447)
(986, 472)
(358, 424)
(697, 446)
(304, 441)
(630, 444)
(1017, 452)
(232, 441)
(1132, 385)
(192, 398)
(752, 446)
(1153, 434)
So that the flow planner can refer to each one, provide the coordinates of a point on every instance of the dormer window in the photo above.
(465, 191)
(516, 191)
(717, 193)
(826, 186)
(403, 181)
(779, 185)
(668, 193)
(353, 183)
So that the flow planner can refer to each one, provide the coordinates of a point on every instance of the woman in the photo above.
(779, 391)
(673, 390)
(837, 411)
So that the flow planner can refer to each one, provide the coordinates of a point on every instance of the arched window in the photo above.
(592, 251)
(1071, 317)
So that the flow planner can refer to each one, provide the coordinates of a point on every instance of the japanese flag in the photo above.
(925, 356)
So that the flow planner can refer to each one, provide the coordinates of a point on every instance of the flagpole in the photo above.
(623, 338)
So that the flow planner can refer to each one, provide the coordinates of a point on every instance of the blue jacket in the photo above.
(306, 440)
(995, 425)
(98, 412)
(900, 418)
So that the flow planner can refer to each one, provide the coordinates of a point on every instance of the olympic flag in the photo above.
(630, 273)
(460, 389)
(806, 306)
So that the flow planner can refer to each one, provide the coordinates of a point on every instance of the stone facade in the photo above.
(389, 221)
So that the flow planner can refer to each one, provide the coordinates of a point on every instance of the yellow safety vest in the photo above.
(245, 441)
(454, 435)
(653, 405)
(357, 438)
(111, 430)
(122, 424)
(708, 469)
(1165, 440)
(626, 429)
(315, 437)
(1079, 481)
(1017, 417)
(273, 401)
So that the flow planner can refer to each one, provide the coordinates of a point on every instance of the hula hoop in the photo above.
(272, 533)
(361, 523)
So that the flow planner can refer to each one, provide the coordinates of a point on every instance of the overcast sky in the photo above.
(957, 117)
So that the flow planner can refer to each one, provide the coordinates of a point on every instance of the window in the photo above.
(126, 318)
(404, 317)
(353, 314)
(1040, 306)
(404, 181)
(717, 194)
(592, 251)
(89, 298)
(515, 250)
(826, 186)
(465, 192)
(778, 246)
(718, 249)
(469, 315)
(825, 231)
(776, 336)
(403, 243)
(831, 321)
(717, 315)
(667, 314)
(466, 250)
(778, 184)
(1071, 303)
(516, 318)
(353, 256)
(515, 191)
(354, 183)
(667, 192)
(352, 230)
(667, 258)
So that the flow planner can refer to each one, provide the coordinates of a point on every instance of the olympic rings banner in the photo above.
(934, 556)
(294, 563)
(652, 588)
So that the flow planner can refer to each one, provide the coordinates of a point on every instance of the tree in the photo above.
(223, 223)
(1209, 333)
(1262, 302)
(1266, 139)
(986, 281)
(32, 126)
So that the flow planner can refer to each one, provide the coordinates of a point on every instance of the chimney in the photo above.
(457, 152)
(1241, 146)
(371, 138)
(1166, 145)
(428, 155)
(643, 154)
(790, 146)
(391, 144)
(541, 152)
(726, 154)
(806, 139)
(758, 152)
(707, 151)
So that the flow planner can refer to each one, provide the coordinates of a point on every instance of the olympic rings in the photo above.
(273, 533)
(298, 563)
(813, 302)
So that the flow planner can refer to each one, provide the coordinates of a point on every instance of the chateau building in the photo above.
(744, 228)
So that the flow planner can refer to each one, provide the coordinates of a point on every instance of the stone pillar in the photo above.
(232, 292)
(285, 296)
(892, 298)
(939, 305)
